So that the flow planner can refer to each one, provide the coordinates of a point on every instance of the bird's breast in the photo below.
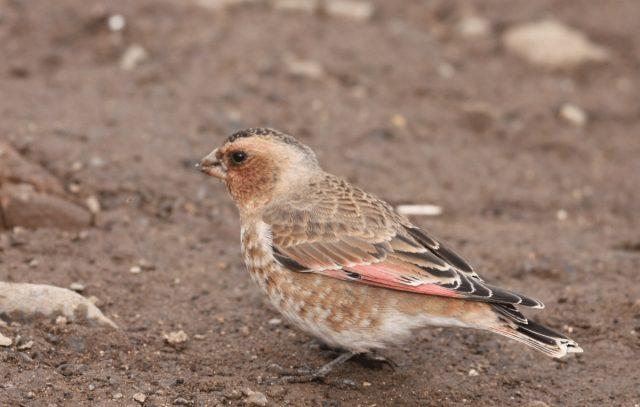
(256, 245)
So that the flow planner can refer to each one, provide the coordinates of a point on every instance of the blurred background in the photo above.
(520, 120)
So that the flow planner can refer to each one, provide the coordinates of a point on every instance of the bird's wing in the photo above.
(342, 232)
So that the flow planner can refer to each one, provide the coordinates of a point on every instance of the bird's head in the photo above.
(260, 164)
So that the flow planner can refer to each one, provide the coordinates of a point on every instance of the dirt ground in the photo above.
(401, 104)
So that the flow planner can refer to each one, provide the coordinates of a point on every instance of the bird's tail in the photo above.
(538, 336)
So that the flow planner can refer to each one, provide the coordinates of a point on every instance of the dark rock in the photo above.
(72, 369)
(22, 205)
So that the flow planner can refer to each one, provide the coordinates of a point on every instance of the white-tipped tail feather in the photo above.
(539, 337)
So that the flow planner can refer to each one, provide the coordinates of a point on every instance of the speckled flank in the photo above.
(343, 314)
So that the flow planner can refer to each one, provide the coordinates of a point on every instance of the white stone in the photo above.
(140, 397)
(93, 204)
(309, 6)
(304, 67)
(553, 45)
(26, 345)
(78, 287)
(446, 71)
(254, 398)
(573, 114)
(133, 56)
(474, 27)
(419, 210)
(355, 10)
(37, 299)
(176, 337)
(222, 4)
(562, 215)
(5, 341)
(97, 161)
(116, 22)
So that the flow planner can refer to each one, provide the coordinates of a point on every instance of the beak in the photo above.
(211, 165)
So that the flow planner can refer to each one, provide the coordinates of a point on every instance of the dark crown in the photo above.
(267, 133)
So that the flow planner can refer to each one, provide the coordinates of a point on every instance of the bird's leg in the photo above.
(303, 376)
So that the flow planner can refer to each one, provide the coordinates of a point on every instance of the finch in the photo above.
(343, 266)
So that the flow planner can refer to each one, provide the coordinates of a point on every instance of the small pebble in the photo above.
(472, 27)
(74, 187)
(96, 161)
(536, 403)
(551, 44)
(26, 345)
(355, 10)
(232, 394)
(473, 373)
(446, 71)
(573, 115)
(140, 397)
(304, 68)
(135, 270)
(275, 321)
(399, 121)
(245, 331)
(5, 341)
(254, 398)
(78, 287)
(309, 6)
(562, 215)
(176, 337)
(93, 204)
(419, 210)
(116, 22)
(77, 166)
(181, 401)
(117, 396)
(61, 320)
(133, 57)
(220, 4)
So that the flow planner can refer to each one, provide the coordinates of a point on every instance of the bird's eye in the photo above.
(238, 157)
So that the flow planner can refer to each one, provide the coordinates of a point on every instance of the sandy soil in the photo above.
(404, 106)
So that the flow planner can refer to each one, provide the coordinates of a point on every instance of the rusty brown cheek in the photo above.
(253, 183)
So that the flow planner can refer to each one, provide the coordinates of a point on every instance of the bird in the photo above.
(343, 266)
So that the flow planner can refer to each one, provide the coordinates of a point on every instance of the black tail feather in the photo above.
(515, 326)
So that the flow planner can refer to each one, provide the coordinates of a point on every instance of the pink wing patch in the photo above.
(386, 275)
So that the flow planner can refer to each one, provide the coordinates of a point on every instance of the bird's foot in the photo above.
(305, 375)
(373, 361)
